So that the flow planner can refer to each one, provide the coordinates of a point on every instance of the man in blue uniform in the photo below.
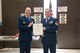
(25, 31)
(50, 27)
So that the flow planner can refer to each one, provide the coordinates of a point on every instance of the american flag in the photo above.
(50, 5)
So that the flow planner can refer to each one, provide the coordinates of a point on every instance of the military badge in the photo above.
(24, 22)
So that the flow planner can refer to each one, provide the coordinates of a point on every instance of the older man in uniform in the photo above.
(25, 31)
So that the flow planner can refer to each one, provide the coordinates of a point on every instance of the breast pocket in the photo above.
(51, 23)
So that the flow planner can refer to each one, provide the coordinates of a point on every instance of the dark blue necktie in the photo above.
(47, 20)
(28, 19)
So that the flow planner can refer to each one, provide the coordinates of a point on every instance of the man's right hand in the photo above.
(30, 24)
(44, 28)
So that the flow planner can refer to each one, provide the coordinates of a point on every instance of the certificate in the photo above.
(38, 29)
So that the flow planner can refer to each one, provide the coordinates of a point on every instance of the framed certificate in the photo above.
(38, 29)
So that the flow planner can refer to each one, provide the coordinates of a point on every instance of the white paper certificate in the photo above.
(38, 29)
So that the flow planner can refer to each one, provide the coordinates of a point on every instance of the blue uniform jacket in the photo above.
(24, 30)
(50, 32)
